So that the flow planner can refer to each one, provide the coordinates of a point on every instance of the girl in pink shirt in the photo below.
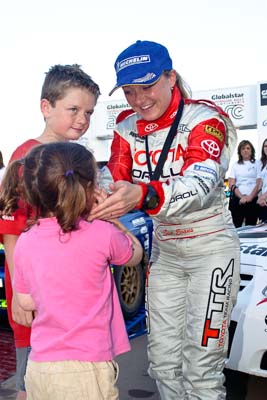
(62, 273)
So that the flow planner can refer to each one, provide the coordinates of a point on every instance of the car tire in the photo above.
(130, 283)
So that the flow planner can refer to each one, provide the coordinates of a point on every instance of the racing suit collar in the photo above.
(146, 127)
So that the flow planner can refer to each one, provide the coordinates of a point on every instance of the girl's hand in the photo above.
(19, 314)
(100, 196)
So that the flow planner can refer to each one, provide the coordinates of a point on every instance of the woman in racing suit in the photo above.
(193, 278)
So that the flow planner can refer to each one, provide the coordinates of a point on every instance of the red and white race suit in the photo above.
(194, 274)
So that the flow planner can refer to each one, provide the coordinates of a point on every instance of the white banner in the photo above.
(242, 104)
(262, 112)
(102, 124)
(238, 102)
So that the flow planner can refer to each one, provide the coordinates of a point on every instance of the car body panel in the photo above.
(141, 225)
(248, 350)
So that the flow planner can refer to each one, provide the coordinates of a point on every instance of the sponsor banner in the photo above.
(261, 112)
(101, 128)
(246, 106)
(105, 114)
(238, 102)
(263, 94)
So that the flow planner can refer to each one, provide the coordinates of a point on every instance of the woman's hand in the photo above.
(262, 200)
(125, 196)
(245, 199)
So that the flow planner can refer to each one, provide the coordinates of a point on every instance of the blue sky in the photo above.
(213, 44)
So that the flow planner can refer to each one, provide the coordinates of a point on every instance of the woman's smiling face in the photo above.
(151, 102)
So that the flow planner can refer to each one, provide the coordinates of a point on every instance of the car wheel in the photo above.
(130, 282)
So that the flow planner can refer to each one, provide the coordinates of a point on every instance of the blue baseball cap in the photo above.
(142, 63)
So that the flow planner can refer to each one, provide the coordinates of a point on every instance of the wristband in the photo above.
(233, 188)
(151, 200)
(144, 192)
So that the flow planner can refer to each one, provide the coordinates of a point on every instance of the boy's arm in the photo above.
(19, 315)
(9, 243)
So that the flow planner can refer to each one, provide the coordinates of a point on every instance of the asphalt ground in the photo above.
(134, 382)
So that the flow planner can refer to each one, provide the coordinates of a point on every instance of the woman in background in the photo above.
(262, 200)
(245, 183)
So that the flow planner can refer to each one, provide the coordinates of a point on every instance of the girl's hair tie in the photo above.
(69, 172)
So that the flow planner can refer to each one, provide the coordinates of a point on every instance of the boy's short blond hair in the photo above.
(60, 78)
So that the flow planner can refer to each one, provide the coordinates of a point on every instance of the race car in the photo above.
(248, 330)
(130, 281)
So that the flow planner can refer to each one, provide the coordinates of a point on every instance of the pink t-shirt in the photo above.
(69, 278)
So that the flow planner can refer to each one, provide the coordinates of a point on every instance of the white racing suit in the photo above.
(194, 275)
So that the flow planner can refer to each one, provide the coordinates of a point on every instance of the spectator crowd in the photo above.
(248, 185)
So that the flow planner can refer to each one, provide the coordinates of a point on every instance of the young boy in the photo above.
(68, 99)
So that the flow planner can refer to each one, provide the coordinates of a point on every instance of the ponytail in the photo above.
(11, 188)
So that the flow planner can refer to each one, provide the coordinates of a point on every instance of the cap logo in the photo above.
(147, 77)
(132, 61)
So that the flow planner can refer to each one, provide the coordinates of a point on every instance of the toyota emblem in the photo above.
(151, 127)
(211, 147)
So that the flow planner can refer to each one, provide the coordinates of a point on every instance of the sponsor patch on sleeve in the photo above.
(208, 170)
(210, 130)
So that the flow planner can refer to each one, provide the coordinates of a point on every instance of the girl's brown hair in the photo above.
(57, 180)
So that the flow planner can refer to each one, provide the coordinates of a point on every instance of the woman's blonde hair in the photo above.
(181, 84)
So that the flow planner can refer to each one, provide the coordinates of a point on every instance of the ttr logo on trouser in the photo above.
(221, 283)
